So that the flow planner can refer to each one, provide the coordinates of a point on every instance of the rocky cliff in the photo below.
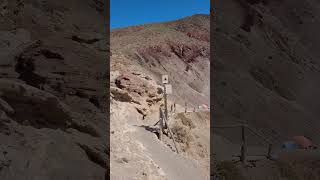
(52, 90)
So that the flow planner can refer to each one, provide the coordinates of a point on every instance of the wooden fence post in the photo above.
(243, 146)
(161, 123)
(185, 110)
(171, 134)
(165, 103)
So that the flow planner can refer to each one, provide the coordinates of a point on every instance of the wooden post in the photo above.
(243, 146)
(171, 134)
(161, 123)
(165, 102)
(174, 107)
(185, 110)
(269, 151)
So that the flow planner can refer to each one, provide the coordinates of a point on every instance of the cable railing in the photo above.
(187, 108)
(244, 147)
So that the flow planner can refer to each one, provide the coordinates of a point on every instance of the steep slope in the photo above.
(266, 73)
(179, 49)
(140, 55)
(52, 90)
(266, 66)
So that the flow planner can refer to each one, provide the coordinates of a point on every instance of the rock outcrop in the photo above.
(53, 80)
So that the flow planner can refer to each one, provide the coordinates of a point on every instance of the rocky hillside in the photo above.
(139, 56)
(52, 90)
(266, 73)
(266, 66)
(179, 49)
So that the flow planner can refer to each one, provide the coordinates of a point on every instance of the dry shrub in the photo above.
(182, 135)
(186, 121)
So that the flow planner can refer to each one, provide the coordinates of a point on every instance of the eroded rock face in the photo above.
(136, 85)
(52, 90)
(265, 70)
(138, 89)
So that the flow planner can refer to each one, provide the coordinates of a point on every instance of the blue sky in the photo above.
(135, 12)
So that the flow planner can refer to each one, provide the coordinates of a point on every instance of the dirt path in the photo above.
(175, 166)
(144, 151)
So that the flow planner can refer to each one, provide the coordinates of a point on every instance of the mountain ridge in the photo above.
(140, 56)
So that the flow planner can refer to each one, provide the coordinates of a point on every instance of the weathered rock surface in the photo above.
(52, 90)
(266, 72)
